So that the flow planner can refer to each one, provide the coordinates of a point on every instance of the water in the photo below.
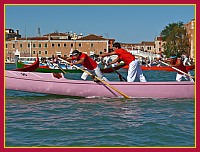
(42, 120)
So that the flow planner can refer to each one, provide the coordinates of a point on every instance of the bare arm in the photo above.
(114, 61)
(107, 54)
(79, 61)
(69, 59)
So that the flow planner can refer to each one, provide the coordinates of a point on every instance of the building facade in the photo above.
(54, 44)
(159, 49)
(190, 28)
(143, 46)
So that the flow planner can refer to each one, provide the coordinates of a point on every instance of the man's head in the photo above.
(116, 45)
(76, 53)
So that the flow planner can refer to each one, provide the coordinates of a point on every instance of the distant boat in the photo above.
(161, 68)
(49, 84)
(164, 68)
(28, 60)
(31, 67)
(47, 69)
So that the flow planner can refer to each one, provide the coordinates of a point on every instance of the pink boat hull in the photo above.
(47, 83)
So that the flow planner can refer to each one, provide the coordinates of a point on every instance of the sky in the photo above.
(124, 23)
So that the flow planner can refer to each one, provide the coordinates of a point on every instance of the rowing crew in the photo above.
(91, 65)
(134, 70)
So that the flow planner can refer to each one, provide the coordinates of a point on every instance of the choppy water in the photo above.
(43, 120)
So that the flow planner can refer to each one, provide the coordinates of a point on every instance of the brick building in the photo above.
(60, 44)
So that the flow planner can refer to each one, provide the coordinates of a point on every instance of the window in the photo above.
(34, 45)
(29, 45)
(45, 45)
(92, 45)
(52, 44)
(65, 45)
(39, 45)
(34, 52)
(72, 44)
(13, 45)
(45, 52)
(40, 52)
(148, 48)
(21, 45)
(79, 44)
(58, 44)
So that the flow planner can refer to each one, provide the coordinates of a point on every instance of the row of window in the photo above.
(45, 52)
(40, 52)
(148, 48)
(28, 52)
(52, 45)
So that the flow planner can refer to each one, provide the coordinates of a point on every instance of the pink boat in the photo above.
(49, 84)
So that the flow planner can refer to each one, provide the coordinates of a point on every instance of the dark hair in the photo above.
(75, 52)
(117, 45)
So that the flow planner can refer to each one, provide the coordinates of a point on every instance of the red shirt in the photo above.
(125, 56)
(88, 62)
(181, 67)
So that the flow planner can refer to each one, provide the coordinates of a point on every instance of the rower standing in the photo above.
(134, 69)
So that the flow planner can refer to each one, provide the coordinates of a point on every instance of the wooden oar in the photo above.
(120, 76)
(58, 67)
(178, 70)
(104, 82)
(61, 69)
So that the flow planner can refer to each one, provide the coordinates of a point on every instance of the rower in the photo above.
(87, 62)
(129, 59)
(178, 63)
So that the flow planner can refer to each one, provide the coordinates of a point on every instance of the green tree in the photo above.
(176, 39)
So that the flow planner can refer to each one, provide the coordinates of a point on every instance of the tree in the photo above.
(176, 39)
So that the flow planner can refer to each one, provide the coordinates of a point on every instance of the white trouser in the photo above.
(97, 72)
(179, 77)
(134, 71)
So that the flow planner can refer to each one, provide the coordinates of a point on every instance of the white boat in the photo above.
(27, 60)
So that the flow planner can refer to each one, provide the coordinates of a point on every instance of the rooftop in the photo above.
(92, 37)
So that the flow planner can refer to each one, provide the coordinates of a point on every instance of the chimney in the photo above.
(17, 32)
(49, 37)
